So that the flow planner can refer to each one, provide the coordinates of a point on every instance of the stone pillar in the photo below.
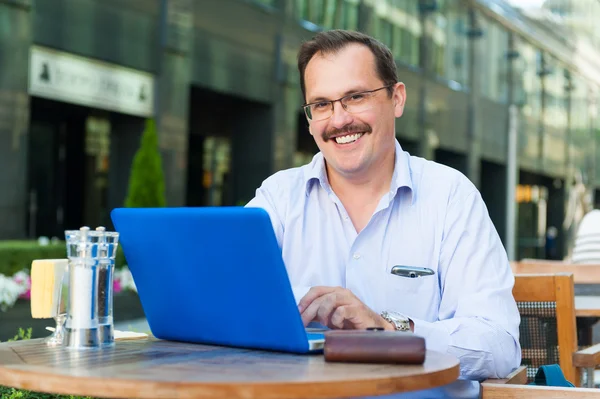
(287, 97)
(474, 122)
(426, 148)
(173, 77)
(15, 40)
(286, 105)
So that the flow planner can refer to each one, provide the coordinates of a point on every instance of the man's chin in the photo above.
(348, 169)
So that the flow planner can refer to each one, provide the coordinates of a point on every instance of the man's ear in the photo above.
(399, 99)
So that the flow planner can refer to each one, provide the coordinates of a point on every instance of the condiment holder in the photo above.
(89, 317)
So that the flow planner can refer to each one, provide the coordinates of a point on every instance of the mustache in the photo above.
(350, 129)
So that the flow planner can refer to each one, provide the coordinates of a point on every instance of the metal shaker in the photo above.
(107, 247)
(81, 326)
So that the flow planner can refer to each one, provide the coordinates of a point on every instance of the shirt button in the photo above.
(356, 256)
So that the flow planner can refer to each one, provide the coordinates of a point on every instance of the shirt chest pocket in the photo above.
(403, 294)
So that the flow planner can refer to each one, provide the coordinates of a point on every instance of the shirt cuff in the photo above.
(436, 336)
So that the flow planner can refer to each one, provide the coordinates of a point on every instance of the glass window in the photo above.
(455, 55)
(330, 8)
(315, 11)
(493, 47)
(579, 109)
(349, 14)
(435, 28)
(555, 114)
(329, 14)
(386, 33)
(404, 28)
(270, 3)
(527, 94)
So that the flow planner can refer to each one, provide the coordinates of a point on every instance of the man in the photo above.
(363, 206)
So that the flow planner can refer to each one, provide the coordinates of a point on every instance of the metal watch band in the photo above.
(400, 322)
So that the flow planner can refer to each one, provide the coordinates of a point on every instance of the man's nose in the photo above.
(340, 117)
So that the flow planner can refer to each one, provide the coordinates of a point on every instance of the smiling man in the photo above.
(363, 206)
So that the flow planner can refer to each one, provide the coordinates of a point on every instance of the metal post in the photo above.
(474, 34)
(511, 181)
(512, 164)
(426, 150)
(590, 377)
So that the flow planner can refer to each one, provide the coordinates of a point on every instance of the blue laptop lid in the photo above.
(211, 275)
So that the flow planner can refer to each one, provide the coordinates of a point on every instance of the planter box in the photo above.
(126, 306)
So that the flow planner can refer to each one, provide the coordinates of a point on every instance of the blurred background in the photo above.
(505, 92)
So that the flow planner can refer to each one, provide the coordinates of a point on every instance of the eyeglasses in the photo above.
(353, 103)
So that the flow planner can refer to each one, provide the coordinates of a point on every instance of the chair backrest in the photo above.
(582, 274)
(548, 331)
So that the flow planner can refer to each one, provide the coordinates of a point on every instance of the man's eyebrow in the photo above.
(347, 92)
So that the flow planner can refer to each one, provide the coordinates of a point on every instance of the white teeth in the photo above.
(348, 139)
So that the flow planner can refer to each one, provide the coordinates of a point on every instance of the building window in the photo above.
(452, 47)
(493, 64)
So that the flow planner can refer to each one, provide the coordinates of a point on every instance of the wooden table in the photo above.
(582, 274)
(587, 306)
(587, 311)
(152, 368)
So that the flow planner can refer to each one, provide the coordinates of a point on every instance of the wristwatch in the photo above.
(398, 320)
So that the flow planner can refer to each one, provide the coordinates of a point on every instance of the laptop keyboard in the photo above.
(314, 336)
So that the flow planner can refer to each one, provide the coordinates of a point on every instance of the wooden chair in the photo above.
(548, 329)
(587, 279)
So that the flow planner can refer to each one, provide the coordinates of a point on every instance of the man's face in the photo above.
(352, 70)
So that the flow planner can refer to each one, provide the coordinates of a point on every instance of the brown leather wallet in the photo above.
(364, 346)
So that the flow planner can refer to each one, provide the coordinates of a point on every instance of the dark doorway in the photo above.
(306, 147)
(452, 159)
(493, 192)
(541, 210)
(412, 147)
(230, 148)
(56, 167)
(70, 179)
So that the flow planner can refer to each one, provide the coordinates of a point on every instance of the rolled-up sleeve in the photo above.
(478, 316)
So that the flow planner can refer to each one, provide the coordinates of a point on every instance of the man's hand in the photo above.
(337, 307)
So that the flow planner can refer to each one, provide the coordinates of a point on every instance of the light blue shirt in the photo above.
(432, 216)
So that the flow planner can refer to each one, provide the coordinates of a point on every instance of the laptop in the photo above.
(213, 275)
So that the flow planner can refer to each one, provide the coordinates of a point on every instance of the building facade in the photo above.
(79, 77)
(580, 16)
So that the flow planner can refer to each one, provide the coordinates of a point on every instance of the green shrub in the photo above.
(22, 335)
(146, 181)
(12, 393)
(18, 255)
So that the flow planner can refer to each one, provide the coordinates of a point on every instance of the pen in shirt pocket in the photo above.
(411, 271)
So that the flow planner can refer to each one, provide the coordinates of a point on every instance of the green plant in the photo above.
(22, 335)
(12, 393)
(146, 181)
(18, 255)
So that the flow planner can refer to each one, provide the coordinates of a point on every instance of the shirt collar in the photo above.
(315, 172)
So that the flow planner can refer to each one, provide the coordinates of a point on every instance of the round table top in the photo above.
(151, 368)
